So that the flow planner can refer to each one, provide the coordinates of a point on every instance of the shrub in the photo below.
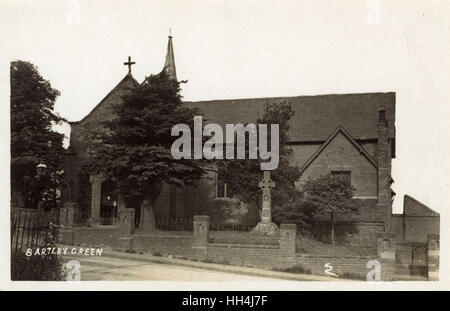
(35, 268)
(46, 267)
(297, 211)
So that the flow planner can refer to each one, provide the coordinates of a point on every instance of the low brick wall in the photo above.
(239, 237)
(277, 251)
(98, 236)
(176, 245)
(267, 256)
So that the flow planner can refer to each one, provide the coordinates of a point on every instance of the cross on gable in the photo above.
(266, 183)
(129, 64)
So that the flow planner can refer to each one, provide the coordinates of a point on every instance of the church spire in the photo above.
(169, 65)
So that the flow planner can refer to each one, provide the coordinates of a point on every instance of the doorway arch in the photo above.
(109, 202)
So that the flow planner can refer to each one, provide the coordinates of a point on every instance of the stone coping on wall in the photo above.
(96, 227)
(299, 255)
(164, 234)
(233, 245)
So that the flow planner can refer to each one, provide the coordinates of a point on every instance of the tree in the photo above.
(32, 117)
(134, 147)
(242, 176)
(330, 194)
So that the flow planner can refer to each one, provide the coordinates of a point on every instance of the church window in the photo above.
(222, 185)
(386, 244)
(346, 175)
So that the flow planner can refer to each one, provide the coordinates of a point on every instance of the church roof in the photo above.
(119, 85)
(315, 117)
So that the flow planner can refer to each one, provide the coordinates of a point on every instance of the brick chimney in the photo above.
(384, 169)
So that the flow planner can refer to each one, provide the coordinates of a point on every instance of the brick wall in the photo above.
(302, 152)
(195, 245)
(181, 246)
(266, 256)
(433, 256)
(403, 254)
(398, 227)
(416, 222)
(341, 154)
(384, 157)
(100, 236)
(417, 228)
(370, 146)
(369, 211)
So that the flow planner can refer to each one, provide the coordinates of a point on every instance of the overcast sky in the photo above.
(241, 49)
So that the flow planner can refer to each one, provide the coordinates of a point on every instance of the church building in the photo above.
(348, 134)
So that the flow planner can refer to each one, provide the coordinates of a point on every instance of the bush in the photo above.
(47, 267)
(297, 212)
(35, 268)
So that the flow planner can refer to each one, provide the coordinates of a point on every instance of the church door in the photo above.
(419, 259)
(108, 208)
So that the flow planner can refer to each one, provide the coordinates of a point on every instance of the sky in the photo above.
(246, 49)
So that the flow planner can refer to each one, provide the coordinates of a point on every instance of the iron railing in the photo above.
(32, 229)
(186, 224)
(108, 216)
(230, 227)
(174, 224)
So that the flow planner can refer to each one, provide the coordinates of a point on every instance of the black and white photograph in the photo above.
(237, 145)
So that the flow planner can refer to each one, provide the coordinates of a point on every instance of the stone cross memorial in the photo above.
(266, 226)
(266, 184)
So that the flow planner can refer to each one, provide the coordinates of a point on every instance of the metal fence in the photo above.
(174, 224)
(229, 227)
(186, 224)
(108, 216)
(32, 229)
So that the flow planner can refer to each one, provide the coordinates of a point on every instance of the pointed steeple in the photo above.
(169, 65)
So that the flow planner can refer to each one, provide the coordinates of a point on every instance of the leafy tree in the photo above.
(243, 176)
(330, 194)
(32, 139)
(134, 148)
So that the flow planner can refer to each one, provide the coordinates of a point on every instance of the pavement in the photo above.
(120, 266)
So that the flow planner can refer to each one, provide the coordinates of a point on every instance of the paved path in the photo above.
(119, 269)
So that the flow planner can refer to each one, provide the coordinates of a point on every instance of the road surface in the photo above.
(98, 268)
